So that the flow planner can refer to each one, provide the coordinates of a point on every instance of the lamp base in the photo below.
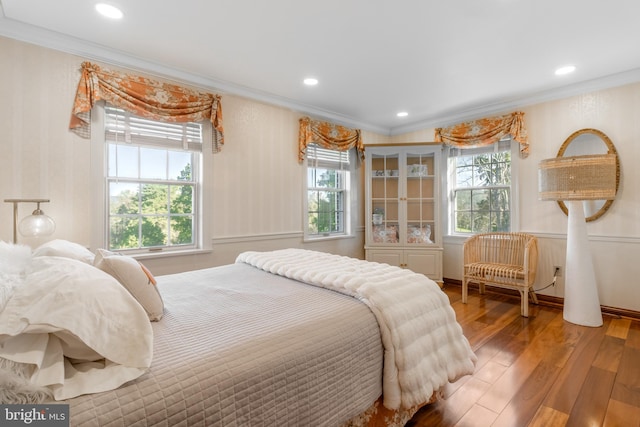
(581, 302)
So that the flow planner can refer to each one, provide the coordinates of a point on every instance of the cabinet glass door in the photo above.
(385, 189)
(420, 198)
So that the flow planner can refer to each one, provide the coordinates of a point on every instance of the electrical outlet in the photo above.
(557, 270)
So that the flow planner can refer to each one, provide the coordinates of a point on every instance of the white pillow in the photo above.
(65, 249)
(135, 277)
(76, 326)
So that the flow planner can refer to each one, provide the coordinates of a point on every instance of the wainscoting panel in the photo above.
(615, 261)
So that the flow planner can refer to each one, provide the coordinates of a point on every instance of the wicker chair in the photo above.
(507, 260)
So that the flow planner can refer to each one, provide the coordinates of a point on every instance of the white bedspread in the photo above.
(424, 344)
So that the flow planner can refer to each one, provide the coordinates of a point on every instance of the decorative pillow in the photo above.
(385, 234)
(65, 249)
(418, 234)
(135, 277)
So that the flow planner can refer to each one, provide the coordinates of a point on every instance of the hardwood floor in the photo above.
(541, 370)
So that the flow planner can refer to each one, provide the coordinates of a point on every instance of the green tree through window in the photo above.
(482, 193)
(151, 181)
(156, 215)
(327, 191)
(326, 213)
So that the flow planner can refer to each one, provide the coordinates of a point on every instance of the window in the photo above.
(328, 192)
(152, 182)
(481, 189)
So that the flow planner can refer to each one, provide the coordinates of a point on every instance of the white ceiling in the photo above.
(439, 60)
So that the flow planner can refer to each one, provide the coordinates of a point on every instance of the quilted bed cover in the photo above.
(424, 347)
(242, 347)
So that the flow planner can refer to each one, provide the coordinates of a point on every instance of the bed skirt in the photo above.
(379, 416)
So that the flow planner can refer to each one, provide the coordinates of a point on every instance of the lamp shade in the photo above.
(37, 224)
(591, 177)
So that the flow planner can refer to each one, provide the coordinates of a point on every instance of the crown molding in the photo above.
(95, 52)
(91, 51)
(516, 102)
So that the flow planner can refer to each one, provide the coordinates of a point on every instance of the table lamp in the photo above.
(36, 224)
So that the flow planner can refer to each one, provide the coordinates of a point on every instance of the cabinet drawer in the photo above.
(425, 261)
(386, 257)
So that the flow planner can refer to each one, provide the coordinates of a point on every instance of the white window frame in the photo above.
(349, 190)
(99, 191)
(452, 153)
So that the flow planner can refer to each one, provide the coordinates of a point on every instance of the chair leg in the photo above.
(481, 288)
(534, 297)
(465, 289)
(524, 310)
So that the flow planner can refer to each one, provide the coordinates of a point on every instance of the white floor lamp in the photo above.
(576, 179)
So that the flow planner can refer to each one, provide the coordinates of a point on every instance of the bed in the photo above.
(288, 337)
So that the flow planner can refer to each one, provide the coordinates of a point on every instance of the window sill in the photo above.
(325, 238)
(456, 238)
(167, 254)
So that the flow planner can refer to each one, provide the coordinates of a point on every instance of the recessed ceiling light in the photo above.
(310, 81)
(402, 114)
(109, 11)
(567, 69)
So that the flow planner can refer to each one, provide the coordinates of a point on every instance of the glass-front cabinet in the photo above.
(403, 225)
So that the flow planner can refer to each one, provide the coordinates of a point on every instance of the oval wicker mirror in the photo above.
(590, 141)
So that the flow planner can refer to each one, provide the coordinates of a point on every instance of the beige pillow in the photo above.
(65, 249)
(135, 277)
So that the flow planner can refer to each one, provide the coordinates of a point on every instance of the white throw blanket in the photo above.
(423, 342)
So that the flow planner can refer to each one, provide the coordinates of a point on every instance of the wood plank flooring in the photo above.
(539, 371)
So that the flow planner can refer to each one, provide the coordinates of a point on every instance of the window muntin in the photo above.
(152, 182)
(327, 193)
(481, 194)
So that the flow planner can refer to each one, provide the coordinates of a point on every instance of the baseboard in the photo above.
(548, 300)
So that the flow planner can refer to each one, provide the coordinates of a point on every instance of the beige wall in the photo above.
(39, 157)
(256, 184)
(615, 237)
(257, 181)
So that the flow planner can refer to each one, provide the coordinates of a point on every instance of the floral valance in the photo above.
(144, 97)
(486, 131)
(329, 136)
